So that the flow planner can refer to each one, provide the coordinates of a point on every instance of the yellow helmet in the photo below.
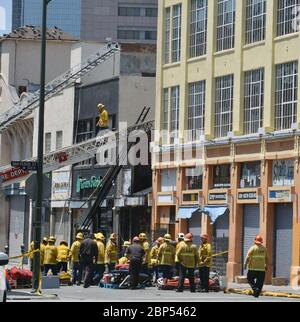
(142, 236)
(63, 242)
(79, 236)
(167, 237)
(113, 236)
(100, 105)
(100, 236)
(45, 239)
(126, 244)
(52, 239)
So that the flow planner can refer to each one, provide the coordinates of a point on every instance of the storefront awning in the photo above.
(186, 212)
(214, 212)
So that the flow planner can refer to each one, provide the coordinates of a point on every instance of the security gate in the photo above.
(250, 228)
(283, 240)
(221, 243)
(195, 228)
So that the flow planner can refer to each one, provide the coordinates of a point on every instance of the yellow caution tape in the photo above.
(264, 293)
(25, 255)
(219, 254)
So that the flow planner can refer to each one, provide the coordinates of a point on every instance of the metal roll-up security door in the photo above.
(221, 243)
(283, 240)
(195, 228)
(250, 227)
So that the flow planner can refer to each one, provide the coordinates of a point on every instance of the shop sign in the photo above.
(247, 195)
(60, 185)
(218, 197)
(88, 183)
(280, 195)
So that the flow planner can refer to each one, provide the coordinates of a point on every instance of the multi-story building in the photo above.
(227, 73)
(126, 21)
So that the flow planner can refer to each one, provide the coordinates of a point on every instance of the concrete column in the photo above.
(206, 227)
(155, 211)
(267, 216)
(52, 222)
(295, 269)
(234, 265)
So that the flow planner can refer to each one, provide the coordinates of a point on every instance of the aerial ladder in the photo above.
(76, 153)
(31, 101)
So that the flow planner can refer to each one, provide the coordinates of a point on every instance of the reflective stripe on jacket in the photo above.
(75, 251)
(187, 255)
(166, 254)
(111, 253)
(205, 252)
(257, 258)
(101, 252)
(63, 253)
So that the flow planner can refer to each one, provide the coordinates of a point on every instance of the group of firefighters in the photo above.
(91, 258)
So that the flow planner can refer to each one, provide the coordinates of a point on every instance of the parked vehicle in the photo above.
(3, 289)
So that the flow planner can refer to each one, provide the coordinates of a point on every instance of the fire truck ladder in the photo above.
(31, 101)
(76, 153)
(103, 189)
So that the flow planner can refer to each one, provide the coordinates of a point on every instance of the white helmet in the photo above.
(180, 236)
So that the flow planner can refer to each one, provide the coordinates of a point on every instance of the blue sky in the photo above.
(5, 16)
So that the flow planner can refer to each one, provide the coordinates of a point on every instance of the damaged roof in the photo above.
(34, 33)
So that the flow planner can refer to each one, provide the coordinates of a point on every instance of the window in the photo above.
(129, 34)
(165, 116)
(47, 143)
(85, 130)
(151, 35)
(167, 35)
(254, 101)
(129, 11)
(225, 24)
(283, 173)
(196, 110)
(286, 95)
(198, 37)
(255, 20)
(59, 140)
(176, 33)
(168, 180)
(151, 12)
(221, 176)
(193, 178)
(250, 174)
(175, 110)
(287, 17)
(224, 104)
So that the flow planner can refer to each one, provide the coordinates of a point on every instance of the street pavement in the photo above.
(96, 294)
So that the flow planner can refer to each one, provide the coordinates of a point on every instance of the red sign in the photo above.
(62, 157)
(13, 174)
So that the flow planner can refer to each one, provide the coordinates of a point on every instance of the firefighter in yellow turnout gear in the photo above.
(76, 266)
(103, 117)
(187, 255)
(166, 257)
(50, 257)
(257, 264)
(154, 263)
(99, 265)
(205, 262)
(63, 255)
(111, 257)
(43, 246)
(145, 244)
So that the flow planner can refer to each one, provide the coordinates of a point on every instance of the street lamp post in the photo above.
(39, 197)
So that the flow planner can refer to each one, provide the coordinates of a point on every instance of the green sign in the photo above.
(84, 183)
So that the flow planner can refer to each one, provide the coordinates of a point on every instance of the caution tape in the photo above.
(25, 255)
(219, 254)
(264, 293)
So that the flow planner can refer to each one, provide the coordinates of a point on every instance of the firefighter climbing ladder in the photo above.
(31, 102)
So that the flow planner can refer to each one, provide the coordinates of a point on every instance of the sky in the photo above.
(5, 16)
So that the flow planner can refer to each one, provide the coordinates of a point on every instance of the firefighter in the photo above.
(125, 246)
(205, 262)
(99, 265)
(50, 257)
(43, 246)
(88, 254)
(136, 254)
(257, 264)
(145, 244)
(180, 242)
(103, 117)
(111, 253)
(153, 257)
(63, 254)
(166, 257)
(187, 255)
(76, 266)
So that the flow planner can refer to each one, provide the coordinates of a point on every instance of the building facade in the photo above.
(93, 20)
(227, 91)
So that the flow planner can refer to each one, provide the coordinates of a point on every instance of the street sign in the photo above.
(31, 187)
(24, 165)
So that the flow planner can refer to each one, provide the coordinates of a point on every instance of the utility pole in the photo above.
(39, 198)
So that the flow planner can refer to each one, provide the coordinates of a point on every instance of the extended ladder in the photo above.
(74, 154)
(103, 189)
(31, 101)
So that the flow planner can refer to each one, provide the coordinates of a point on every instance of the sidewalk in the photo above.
(267, 288)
